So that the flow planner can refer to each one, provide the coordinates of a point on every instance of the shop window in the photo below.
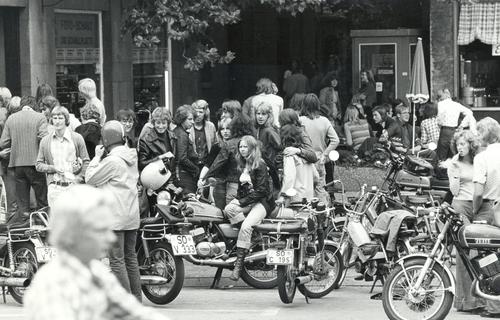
(381, 60)
(78, 42)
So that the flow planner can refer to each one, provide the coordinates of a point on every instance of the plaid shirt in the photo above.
(430, 130)
(66, 289)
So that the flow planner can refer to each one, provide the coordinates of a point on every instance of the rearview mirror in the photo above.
(432, 146)
(334, 155)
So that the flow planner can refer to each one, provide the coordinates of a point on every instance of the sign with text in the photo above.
(76, 30)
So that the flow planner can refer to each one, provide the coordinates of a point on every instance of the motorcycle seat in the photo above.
(478, 235)
(150, 220)
(284, 226)
(419, 162)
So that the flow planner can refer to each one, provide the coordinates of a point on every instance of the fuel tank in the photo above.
(205, 212)
(407, 179)
(478, 235)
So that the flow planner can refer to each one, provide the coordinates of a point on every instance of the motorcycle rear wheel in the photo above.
(24, 258)
(286, 284)
(316, 289)
(346, 257)
(162, 262)
(259, 276)
(396, 292)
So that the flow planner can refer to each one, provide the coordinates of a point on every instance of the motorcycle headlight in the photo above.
(163, 198)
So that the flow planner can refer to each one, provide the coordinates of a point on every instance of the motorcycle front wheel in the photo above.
(334, 269)
(25, 261)
(162, 263)
(431, 301)
(286, 284)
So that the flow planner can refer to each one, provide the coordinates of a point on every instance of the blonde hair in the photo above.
(265, 107)
(254, 155)
(87, 88)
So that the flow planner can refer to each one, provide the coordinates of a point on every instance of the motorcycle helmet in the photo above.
(112, 133)
(155, 175)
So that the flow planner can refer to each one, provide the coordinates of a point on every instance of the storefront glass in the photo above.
(78, 55)
(381, 60)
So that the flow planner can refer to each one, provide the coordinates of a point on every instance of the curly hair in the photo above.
(254, 157)
(470, 138)
(241, 126)
(125, 114)
(489, 130)
(90, 112)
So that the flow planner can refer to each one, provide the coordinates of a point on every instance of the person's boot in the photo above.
(238, 264)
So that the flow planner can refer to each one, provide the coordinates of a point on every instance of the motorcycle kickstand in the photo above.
(377, 278)
(217, 277)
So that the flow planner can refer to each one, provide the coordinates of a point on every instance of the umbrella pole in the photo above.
(413, 129)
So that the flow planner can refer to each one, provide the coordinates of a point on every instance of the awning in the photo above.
(479, 21)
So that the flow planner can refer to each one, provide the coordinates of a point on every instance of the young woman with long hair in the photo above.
(356, 130)
(269, 138)
(254, 198)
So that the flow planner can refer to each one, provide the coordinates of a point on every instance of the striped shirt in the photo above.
(22, 133)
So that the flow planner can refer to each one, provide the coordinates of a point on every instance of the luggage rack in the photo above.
(34, 227)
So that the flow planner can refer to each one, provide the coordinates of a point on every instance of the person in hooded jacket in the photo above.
(114, 169)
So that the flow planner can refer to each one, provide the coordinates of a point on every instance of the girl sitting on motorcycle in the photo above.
(253, 200)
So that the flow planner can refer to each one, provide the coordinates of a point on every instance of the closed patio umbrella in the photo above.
(419, 91)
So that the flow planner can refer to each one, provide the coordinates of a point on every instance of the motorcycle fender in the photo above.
(424, 256)
(37, 242)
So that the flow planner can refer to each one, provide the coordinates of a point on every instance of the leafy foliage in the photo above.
(190, 21)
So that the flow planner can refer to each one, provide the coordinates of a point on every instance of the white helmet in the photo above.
(155, 175)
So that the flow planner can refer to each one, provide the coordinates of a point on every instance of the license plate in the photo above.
(45, 254)
(279, 257)
(182, 245)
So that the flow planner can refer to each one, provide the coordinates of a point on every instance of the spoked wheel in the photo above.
(168, 268)
(259, 275)
(25, 262)
(332, 272)
(286, 284)
(345, 250)
(431, 301)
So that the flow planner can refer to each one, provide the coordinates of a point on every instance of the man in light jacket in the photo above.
(114, 169)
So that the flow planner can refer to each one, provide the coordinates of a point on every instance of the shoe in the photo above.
(487, 314)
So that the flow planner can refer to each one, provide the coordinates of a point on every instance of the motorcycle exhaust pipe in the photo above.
(228, 263)
(476, 291)
(14, 282)
(149, 280)
(303, 279)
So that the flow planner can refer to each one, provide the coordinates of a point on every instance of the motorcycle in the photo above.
(296, 244)
(363, 245)
(23, 249)
(410, 178)
(188, 227)
(421, 286)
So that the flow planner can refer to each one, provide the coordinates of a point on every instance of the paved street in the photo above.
(350, 302)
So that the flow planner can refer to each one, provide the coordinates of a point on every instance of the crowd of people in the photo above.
(255, 152)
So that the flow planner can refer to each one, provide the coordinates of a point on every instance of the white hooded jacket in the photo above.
(117, 174)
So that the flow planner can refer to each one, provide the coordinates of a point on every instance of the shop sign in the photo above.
(76, 30)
